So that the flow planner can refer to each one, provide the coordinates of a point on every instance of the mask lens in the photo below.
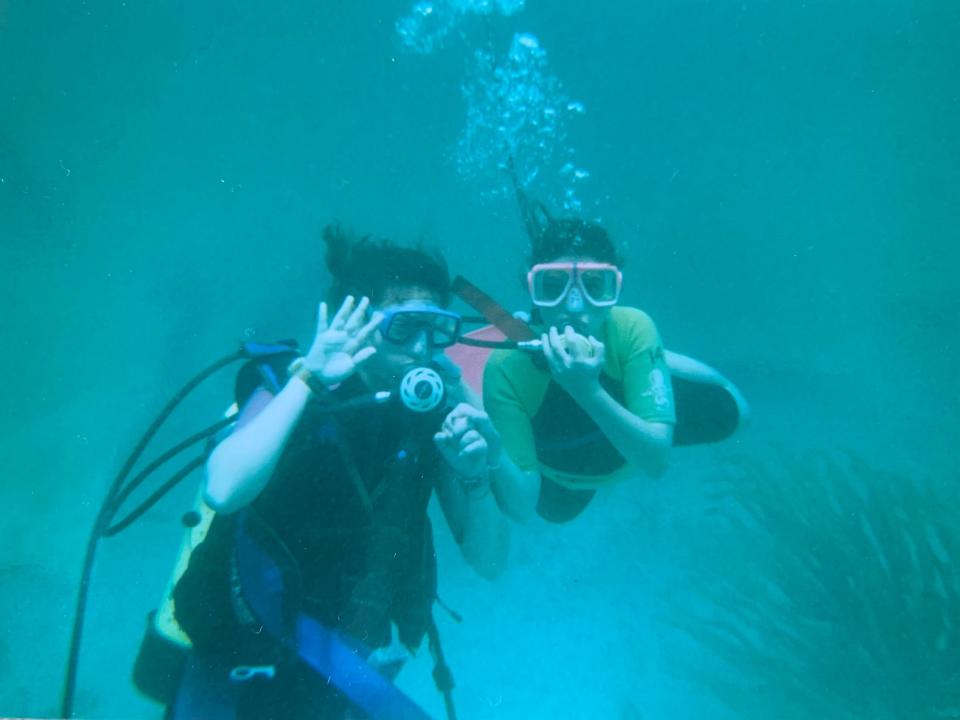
(399, 327)
(600, 285)
(446, 330)
(549, 286)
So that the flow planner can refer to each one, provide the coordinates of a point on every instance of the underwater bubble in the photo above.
(481, 7)
(517, 116)
(489, 7)
(509, 7)
(430, 22)
(527, 40)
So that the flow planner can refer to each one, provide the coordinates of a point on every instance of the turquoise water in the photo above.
(781, 177)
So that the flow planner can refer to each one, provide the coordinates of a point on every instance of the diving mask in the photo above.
(551, 283)
(442, 327)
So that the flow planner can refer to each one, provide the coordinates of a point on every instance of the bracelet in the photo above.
(298, 369)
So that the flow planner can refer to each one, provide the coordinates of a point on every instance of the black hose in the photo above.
(160, 460)
(442, 676)
(103, 518)
(492, 344)
(154, 498)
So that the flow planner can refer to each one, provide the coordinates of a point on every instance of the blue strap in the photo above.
(264, 356)
(347, 669)
(260, 350)
(342, 663)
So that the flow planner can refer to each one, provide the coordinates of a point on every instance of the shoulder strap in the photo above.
(266, 367)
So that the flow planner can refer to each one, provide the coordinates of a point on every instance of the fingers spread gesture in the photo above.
(341, 343)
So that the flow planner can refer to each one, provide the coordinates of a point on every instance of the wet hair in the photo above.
(365, 266)
(552, 238)
(561, 237)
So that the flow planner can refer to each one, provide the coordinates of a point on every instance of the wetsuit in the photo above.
(544, 429)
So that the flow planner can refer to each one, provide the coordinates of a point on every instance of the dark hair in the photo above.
(551, 238)
(370, 267)
(559, 237)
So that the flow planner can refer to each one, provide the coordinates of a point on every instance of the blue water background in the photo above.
(782, 178)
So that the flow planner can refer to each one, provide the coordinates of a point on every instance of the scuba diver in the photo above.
(593, 401)
(317, 573)
(581, 389)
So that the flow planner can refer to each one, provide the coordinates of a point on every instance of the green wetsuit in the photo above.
(544, 429)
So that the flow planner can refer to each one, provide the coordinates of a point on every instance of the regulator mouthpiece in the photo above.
(422, 389)
(580, 342)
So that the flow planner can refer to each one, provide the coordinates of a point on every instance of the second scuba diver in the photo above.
(595, 403)
(321, 494)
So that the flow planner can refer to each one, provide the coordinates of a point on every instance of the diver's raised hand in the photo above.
(468, 441)
(340, 344)
(575, 361)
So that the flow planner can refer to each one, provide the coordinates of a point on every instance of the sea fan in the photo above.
(827, 589)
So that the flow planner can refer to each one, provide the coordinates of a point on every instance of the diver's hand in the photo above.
(575, 361)
(339, 346)
(468, 441)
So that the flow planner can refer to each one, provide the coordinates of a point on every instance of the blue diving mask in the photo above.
(442, 327)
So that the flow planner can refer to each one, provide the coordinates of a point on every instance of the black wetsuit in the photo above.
(345, 516)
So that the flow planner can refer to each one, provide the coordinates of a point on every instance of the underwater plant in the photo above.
(825, 589)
